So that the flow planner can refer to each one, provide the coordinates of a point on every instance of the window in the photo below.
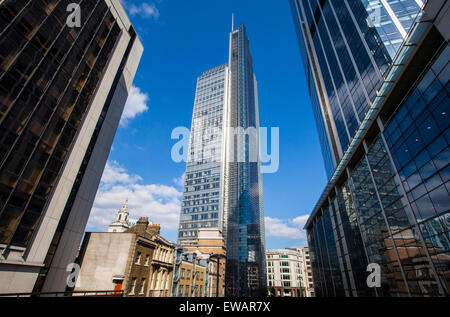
(138, 259)
(186, 291)
(142, 286)
(183, 273)
(180, 290)
(188, 274)
(147, 259)
(132, 286)
(284, 263)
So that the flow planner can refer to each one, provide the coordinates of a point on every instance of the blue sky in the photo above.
(182, 39)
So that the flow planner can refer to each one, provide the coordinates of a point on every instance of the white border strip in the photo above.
(420, 3)
(394, 18)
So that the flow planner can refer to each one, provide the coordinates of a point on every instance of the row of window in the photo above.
(184, 290)
(186, 274)
(286, 256)
(283, 270)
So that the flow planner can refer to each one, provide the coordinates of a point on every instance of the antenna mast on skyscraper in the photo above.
(232, 22)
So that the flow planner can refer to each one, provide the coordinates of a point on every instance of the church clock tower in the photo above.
(121, 224)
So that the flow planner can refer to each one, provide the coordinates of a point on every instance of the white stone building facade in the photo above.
(289, 273)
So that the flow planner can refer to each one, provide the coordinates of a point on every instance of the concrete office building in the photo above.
(378, 74)
(289, 273)
(223, 183)
(306, 270)
(62, 92)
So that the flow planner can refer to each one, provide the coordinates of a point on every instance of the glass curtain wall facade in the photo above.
(243, 197)
(223, 183)
(59, 109)
(387, 201)
(345, 56)
(202, 194)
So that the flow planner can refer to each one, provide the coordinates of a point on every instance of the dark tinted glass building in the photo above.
(63, 86)
(378, 77)
(243, 197)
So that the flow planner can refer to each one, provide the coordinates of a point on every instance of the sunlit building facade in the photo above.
(223, 182)
(63, 88)
(378, 78)
(289, 273)
(203, 183)
(243, 196)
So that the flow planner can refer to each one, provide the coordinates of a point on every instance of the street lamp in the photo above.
(194, 273)
(218, 256)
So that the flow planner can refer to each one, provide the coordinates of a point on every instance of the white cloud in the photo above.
(135, 105)
(278, 228)
(288, 229)
(180, 180)
(161, 203)
(300, 221)
(144, 10)
(116, 174)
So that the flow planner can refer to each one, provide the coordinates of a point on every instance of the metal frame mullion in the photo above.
(339, 228)
(374, 64)
(350, 53)
(410, 210)
(327, 115)
(385, 219)
(27, 44)
(344, 79)
(319, 252)
(355, 205)
(40, 99)
(329, 69)
(40, 139)
(15, 18)
(72, 146)
(52, 152)
(31, 115)
(335, 241)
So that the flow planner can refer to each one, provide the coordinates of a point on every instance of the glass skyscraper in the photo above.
(223, 183)
(63, 88)
(202, 203)
(243, 206)
(378, 79)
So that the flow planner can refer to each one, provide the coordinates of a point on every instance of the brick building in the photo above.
(138, 261)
